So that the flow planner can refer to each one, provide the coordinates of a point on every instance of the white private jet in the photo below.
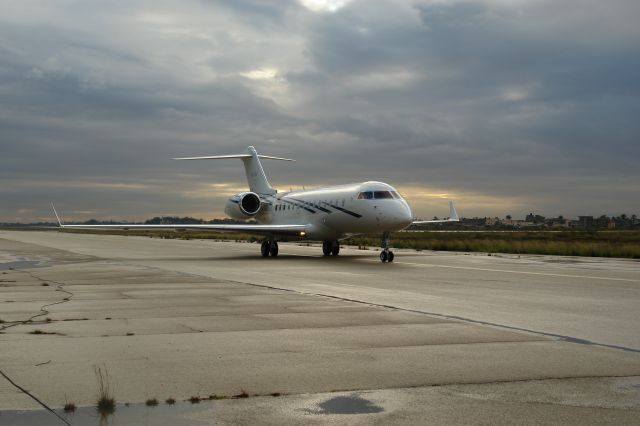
(326, 214)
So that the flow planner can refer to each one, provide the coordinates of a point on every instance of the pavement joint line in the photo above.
(26, 392)
(568, 339)
(543, 403)
(471, 268)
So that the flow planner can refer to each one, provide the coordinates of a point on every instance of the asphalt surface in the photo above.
(525, 339)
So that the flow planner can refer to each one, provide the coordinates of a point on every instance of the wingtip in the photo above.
(57, 217)
(453, 214)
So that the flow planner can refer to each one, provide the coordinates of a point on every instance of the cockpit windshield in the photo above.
(378, 195)
(382, 195)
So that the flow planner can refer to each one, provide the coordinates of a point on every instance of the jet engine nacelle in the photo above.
(243, 205)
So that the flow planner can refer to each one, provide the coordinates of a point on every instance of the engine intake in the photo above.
(250, 203)
(243, 205)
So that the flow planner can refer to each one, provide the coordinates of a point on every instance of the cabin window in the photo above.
(367, 195)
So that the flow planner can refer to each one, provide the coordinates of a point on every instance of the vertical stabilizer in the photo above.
(256, 177)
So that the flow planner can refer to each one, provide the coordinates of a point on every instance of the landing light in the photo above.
(302, 233)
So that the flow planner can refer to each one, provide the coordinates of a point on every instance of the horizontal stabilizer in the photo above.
(256, 177)
(224, 157)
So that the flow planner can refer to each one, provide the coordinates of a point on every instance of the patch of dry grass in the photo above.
(106, 403)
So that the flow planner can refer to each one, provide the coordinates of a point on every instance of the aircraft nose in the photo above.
(407, 216)
(403, 215)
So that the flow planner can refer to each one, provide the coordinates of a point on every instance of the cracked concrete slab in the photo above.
(168, 318)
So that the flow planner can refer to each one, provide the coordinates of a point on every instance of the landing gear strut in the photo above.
(330, 248)
(269, 248)
(386, 255)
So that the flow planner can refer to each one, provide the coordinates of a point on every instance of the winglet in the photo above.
(57, 217)
(453, 214)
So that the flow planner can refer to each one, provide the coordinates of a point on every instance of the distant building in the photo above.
(476, 221)
(585, 221)
(557, 222)
(534, 218)
(491, 221)
(601, 222)
(517, 223)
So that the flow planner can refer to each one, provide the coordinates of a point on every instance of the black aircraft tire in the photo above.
(326, 248)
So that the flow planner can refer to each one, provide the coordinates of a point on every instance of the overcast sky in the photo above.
(505, 106)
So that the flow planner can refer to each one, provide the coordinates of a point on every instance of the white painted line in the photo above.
(547, 274)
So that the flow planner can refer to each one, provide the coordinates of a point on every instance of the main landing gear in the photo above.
(330, 248)
(269, 248)
(386, 255)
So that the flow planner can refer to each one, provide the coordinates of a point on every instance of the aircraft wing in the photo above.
(297, 230)
(453, 217)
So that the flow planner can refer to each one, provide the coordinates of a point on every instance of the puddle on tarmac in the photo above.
(180, 413)
(351, 404)
(21, 264)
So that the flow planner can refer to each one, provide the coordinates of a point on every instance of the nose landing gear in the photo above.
(386, 255)
(269, 248)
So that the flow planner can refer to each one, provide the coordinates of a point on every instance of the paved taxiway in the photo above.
(180, 318)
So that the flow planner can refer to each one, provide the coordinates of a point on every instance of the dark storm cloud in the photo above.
(508, 106)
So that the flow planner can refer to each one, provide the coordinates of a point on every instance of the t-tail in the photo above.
(256, 177)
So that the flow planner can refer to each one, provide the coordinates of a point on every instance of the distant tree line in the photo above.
(536, 221)
(158, 220)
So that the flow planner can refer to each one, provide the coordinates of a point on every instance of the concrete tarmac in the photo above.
(508, 338)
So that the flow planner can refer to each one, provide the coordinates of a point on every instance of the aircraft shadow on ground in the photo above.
(287, 257)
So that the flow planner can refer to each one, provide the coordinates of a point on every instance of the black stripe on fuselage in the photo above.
(298, 204)
(349, 212)
(314, 205)
(275, 200)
